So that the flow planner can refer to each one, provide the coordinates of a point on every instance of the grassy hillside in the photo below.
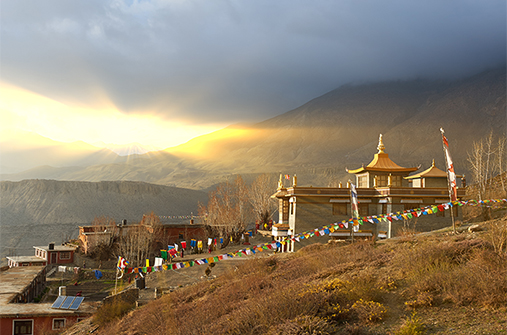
(436, 283)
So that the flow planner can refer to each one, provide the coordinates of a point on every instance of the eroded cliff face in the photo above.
(52, 201)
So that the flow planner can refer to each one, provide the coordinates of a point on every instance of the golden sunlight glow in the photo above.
(26, 111)
(200, 145)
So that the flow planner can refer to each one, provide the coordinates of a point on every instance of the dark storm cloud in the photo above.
(238, 60)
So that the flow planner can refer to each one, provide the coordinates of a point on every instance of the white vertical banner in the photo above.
(354, 206)
(451, 175)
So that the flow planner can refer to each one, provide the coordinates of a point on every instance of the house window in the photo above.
(180, 236)
(65, 255)
(23, 327)
(58, 323)
(339, 209)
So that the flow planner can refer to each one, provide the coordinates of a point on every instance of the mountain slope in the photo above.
(341, 128)
(318, 140)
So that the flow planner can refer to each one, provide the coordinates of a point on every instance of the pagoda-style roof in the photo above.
(431, 172)
(382, 162)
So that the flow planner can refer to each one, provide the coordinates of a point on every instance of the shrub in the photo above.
(497, 234)
(369, 311)
(412, 326)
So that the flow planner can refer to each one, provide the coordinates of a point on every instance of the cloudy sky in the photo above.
(163, 71)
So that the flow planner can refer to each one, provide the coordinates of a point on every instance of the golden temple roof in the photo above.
(431, 172)
(382, 162)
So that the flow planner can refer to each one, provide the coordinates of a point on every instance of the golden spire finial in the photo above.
(433, 163)
(380, 146)
(280, 182)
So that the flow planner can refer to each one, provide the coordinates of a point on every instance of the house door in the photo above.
(53, 258)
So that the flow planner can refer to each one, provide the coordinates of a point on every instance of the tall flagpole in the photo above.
(451, 177)
(354, 207)
(116, 281)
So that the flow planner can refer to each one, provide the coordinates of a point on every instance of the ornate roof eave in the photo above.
(280, 193)
(431, 172)
(366, 169)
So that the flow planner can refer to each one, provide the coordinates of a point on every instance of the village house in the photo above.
(382, 187)
(44, 255)
(171, 233)
(20, 315)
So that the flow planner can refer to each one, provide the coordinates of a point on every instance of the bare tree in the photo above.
(501, 158)
(260, 198)
(480, 160)
(135, 244)
(486, 162)
(228, 210)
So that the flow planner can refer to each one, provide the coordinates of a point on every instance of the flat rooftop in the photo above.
(57, 248)
(14, 281)
(23, 259)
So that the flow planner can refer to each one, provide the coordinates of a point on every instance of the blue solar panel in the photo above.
(76, 303)
(66, 304)
(58, 301)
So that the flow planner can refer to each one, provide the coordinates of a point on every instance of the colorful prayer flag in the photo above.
(122, 263)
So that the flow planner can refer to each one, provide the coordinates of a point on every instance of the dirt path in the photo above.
(172, 279)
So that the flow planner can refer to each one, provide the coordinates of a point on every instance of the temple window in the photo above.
(396, 181)
(362, 181)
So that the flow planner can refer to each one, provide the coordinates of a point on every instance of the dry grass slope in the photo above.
(438, 284)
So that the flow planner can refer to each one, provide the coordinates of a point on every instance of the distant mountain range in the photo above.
(127, 149)
(29, 150)
(36, 212)
(52, 201)
(318, 140)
